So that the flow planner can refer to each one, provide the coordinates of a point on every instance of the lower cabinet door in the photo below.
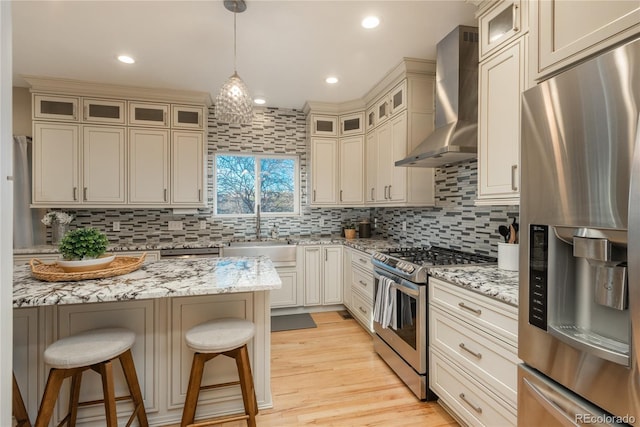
(474, 404)
(287, 296)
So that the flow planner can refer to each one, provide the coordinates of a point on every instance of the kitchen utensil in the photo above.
(512, 234)
(516, 228)
(504, 232)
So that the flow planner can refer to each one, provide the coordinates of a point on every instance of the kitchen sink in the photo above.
(278, 250)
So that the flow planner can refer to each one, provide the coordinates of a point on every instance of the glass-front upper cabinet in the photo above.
(55, 107)
(352, 124)
(103, 111)
(324, 125)
(187, 116)
(398, 98)
(383, 110)
(371, 118)
(500, 25)
(148, 114)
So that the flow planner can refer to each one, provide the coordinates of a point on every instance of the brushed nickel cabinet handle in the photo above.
(385, 191)
(515, 18)
(471, 352)
(75, 193)
(389, 192)
(372, 196)
(473, 310)
(362, 283)
(86, 112)
(514, 187)
(362, 310)
(474, 407)
(199, 195)
(326, 255)
(340, 195)
(165, 194)
(74, 113)
(164, 118)
(314, 195)
(84, 193)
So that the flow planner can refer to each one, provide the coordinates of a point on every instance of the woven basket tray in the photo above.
(54, 273)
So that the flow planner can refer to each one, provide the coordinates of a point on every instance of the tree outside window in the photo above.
(243, 180)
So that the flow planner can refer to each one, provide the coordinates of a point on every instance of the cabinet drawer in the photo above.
(362, 281)
(362, 309)
(476, 405)
(362, 260)
(496, 317)
(491, 361)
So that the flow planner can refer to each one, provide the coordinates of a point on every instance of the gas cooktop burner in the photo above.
(413, 263)
(434, 255)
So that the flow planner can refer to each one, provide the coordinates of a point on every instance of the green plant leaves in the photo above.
(83, 243)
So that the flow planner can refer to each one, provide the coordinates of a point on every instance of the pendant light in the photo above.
(233, 104)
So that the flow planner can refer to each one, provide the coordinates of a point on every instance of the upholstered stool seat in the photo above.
(95, 350)
(228, 337)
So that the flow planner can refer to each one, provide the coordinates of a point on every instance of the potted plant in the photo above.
(349, 230)
(59, 222)
(83, 249)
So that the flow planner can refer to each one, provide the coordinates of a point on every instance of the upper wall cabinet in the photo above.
(103, 111)
(324, 125)
(187, 117)
(500, 25)
(148, 114)
(398, 98)
(564, 32)
(49, 107)
(352, 124)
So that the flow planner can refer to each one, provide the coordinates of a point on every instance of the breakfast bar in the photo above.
(159, 302)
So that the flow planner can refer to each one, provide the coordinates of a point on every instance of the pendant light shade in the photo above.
(233, 103)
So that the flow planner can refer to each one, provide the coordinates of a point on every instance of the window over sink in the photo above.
(245, 183)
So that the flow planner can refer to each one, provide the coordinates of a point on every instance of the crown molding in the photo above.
(84, 88)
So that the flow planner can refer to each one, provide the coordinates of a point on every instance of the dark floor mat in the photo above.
(290, 322)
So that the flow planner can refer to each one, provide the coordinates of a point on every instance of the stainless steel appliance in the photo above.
(213, 252)
(579, 317)
(400, 309)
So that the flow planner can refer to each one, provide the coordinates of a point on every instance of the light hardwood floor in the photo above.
(330, 376)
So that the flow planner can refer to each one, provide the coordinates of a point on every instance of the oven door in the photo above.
(407, 332)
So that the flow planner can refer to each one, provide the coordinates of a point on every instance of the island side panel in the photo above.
(160, 355)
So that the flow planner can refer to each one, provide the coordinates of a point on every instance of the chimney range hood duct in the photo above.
(455, 137)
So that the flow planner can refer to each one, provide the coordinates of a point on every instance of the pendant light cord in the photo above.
(235, 67)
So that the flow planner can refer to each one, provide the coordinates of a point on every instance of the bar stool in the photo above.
(18, 409)
(228, 337)
(94, 349)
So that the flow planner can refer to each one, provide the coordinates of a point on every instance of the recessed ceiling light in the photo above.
(370, 22)
(259, 101)
(331, 80)
(126, 59)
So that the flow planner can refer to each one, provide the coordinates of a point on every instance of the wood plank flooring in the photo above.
(330, 376)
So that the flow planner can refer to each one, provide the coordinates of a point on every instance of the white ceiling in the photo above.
(285, 48)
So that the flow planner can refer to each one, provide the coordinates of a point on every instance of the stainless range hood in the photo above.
(456, 135)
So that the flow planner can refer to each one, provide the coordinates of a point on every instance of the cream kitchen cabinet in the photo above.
(56, 164)
(148, 166)
(360, 282)
(187, 117)
(351, 175)
(500, 23)
(323, 125)
(148, 114)
(52, 107)
(187, 168)
(564, 32)
(502, 80)
(322, 273)
(103, 111)
(398, 98)
(473, 354)
(287, 295)
(324, 171)
(352, 124)
(104, 165)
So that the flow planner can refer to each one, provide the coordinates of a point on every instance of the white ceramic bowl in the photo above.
(87, 264)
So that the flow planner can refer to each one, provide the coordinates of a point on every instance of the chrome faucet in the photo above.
(258, 222)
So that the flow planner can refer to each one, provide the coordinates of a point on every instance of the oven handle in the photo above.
(401, 286)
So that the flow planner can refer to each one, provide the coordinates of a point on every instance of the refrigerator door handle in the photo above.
(633, 249)
(554, 409)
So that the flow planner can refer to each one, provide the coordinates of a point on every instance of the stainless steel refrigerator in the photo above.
(579, 318)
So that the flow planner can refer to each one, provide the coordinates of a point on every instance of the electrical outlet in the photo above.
(175, 225)
(203, 225)
(404, 225)
(321, 222)
(116, 225)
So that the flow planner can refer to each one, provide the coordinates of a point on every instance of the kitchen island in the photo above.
(159, 302)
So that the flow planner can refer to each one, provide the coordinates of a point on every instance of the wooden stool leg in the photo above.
(18, 408)
(193, 390)
(246, 384)
(51, 391)
(76, 379)
(129, 369)
(106, 372)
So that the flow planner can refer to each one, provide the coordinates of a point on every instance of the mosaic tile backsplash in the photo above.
(454, 222)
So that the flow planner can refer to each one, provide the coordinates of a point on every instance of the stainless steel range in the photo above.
(400, 308)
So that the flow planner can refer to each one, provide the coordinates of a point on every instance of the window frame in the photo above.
(257, 158)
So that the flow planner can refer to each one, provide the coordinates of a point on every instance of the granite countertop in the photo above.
(160, 279)
(487, 280)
